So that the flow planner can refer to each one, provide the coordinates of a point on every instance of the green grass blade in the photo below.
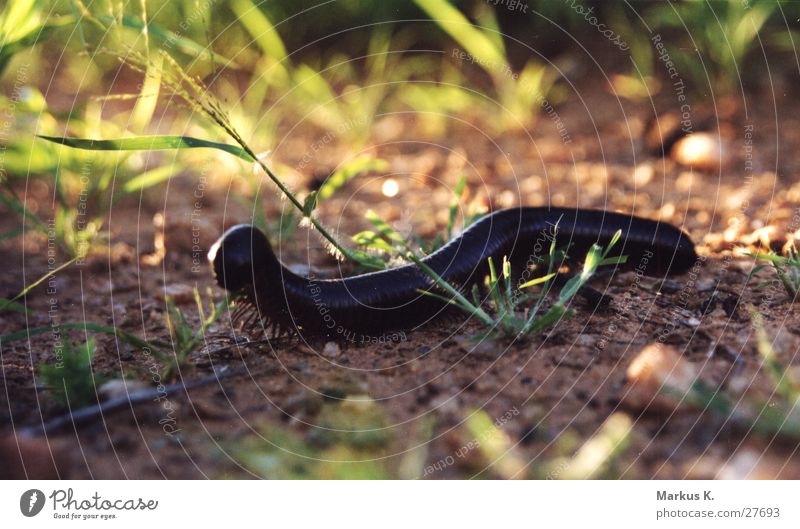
(469, 37)
(473, 309)
(772, 258)
(184, 44)
(494, 288)
(362, 258)
(4, 303)
(148, 143)
(370, 239)
(146, 103)
(537, 281)
(354, 168)
(12, 306)
(259, 26)
(622, 259)
(449, 301)
(451, 219)
(780, 379)
(310, 204)
(149, 178)
(384, 228)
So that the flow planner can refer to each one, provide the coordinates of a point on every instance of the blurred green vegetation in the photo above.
(93, 71)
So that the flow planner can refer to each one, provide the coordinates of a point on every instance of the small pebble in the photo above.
(331, 350)
(752, 463)
(701, 150)
(444, 404)
(119, 387)
(181, 294)
(659, 368)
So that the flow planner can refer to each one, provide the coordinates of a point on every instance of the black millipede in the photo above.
(244, 263)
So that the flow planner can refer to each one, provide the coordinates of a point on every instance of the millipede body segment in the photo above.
(244, 263)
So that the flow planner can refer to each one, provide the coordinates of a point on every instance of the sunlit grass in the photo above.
(185, 337)
(722, 33)
(505, 317)
(786, 270)
(519, 94)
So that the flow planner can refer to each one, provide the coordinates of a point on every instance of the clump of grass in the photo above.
(185, 337)
(520, 93)
(199, 99)
(507, 320)
(505, 317)
(783, 384)
(455, 202)
(383, 241)
(786, 269)
(70, 378)
(85, 185)
(23, 24)
(725, 34)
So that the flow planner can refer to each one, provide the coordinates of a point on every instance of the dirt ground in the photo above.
(562, 385)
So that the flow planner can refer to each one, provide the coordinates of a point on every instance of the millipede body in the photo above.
(244, 263)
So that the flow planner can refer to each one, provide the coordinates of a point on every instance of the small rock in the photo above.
(120, 311)
(749, 463)
(486, 348)
(445, 404)
(701, 150)
(181, 294)
(657, 370)
(739, 384)
(331, 350)
(706, 285)
(119, 387)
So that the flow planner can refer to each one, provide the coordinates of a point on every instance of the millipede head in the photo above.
(239, 257)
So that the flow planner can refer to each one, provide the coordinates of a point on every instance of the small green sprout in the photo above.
(787, 270)
(70, 377)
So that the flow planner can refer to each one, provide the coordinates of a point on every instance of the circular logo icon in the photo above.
(31, 502)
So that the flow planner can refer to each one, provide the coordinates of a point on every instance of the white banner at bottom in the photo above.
(390, 504)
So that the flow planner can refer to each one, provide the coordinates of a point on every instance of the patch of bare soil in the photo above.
(563, 384)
